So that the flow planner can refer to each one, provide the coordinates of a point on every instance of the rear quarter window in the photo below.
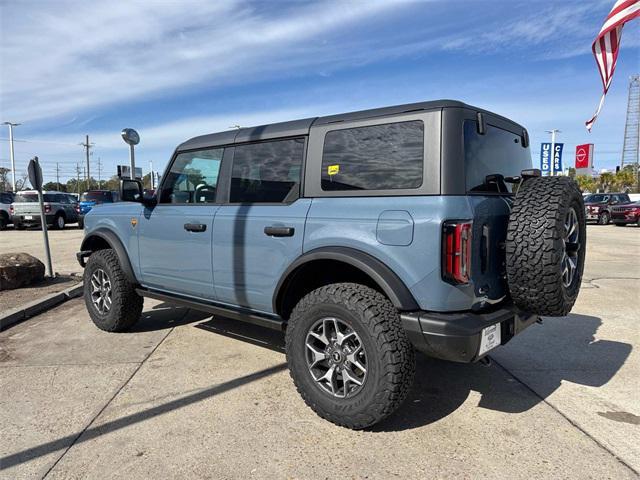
(377, 157)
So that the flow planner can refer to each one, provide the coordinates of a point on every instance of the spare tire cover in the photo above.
(545, 247)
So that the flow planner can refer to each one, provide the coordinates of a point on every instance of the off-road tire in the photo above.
(604, 218)
(126, 305)
(390, 355)
(4, 221)
(535, 245)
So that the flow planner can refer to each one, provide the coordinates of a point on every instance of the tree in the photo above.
(606, 181)
(60, 187)
(5, 184)
(22, 181)
(572, 172)
(586, 183)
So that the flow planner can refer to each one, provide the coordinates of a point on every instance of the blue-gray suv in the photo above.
(364, 236)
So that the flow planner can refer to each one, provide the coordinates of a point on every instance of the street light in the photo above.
(13, 161)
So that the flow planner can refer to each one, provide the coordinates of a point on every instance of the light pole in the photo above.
(11, 156)
(552, 170)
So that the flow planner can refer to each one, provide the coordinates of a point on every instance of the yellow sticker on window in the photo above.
(333, 169)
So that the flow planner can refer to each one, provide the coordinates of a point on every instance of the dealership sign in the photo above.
(584, 156)
(546, 157)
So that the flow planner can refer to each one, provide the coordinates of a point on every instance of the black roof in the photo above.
(301, 127)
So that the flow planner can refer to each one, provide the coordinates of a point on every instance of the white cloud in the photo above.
(64, 57)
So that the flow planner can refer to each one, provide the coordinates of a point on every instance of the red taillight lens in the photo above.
(47, 208)
(11, 210)
(456, 252)
(77, 207)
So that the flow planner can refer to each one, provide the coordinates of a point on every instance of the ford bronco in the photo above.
(363, 236)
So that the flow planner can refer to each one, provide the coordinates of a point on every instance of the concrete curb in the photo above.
(38, 306)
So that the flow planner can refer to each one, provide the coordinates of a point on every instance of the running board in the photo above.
(274, 323)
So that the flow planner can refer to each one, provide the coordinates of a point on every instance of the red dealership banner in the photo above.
(584, 155)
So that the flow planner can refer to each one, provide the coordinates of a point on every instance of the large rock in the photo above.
(19, 269)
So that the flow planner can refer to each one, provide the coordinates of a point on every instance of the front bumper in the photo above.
(592, 216)
(457, 336)
(626, 219)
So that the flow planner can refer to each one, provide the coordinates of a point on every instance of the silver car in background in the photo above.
(60, 209)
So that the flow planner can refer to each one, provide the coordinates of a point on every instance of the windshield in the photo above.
(597, 198)
(497, 152)
(96, 197)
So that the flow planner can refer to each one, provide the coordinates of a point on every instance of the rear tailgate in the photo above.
(493, 153)
(488, 264)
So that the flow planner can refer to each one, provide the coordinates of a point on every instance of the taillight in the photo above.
(77, 207)
(47, 208)
(11, 210)
(456, 252)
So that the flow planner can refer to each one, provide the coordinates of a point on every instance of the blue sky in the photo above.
(177, 69)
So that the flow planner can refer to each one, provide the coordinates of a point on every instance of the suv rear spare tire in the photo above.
(545, 248)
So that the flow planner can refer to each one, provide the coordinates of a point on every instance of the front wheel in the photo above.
(112, 301)
(348, 354)
(604, 218)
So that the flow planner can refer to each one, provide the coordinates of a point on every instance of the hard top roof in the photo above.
(301, 127)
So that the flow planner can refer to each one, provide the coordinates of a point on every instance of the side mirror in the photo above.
(131, 190)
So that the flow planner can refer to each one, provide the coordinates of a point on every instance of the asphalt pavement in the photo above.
(185, 395)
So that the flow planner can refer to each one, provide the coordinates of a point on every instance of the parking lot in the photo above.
(188, 395)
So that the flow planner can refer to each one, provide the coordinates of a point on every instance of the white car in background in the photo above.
(6, 199)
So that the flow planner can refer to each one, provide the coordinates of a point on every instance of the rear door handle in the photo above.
(279, 231)
(195, 227)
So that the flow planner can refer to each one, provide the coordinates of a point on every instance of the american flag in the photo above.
(607, 44)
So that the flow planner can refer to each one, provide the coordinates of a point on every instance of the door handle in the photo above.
(195, 227)
(279, 231)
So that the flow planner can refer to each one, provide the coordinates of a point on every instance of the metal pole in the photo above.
(87, 150)
(11, 154)
(132, 162)
(45, 234)
(153, 180)
(57, 176)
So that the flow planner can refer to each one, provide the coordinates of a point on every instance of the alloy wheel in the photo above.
(571, 242)
(336, 357)
(101, 291)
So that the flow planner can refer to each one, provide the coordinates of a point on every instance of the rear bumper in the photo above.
(22, 219)
(457, 336)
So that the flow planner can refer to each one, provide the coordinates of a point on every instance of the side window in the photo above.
(379, 157)
(193, 177)
(267, 172)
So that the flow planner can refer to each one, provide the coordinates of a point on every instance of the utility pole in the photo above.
(552, 169)
(153, 180)
(87, 146)
(13, 160)
(78, 178)
(57, 176)
(99, 174)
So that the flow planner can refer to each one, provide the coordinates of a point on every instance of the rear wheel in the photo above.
(4, 221)
(59, 222)
(112, 302)
(545, 247)
(348, 354)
